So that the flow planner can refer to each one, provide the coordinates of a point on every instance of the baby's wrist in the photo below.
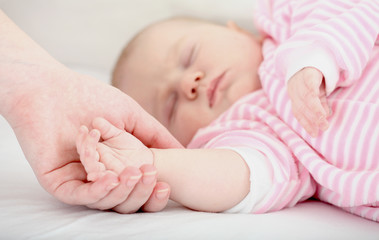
(152, 151)
(157, 161)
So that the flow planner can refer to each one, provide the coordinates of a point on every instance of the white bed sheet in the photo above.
(28, 212)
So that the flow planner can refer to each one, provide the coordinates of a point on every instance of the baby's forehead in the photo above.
(175, 26)
(162, 37)
(144, 63)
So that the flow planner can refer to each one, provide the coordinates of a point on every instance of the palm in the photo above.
(47, 127)
(123, 150)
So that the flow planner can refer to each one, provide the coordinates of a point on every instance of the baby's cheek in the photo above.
(186, 125)
(240, 88)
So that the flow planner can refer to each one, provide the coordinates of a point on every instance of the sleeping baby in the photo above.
(268, 120)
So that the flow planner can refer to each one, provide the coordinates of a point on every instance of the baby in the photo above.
(176, 77)
(240, 103)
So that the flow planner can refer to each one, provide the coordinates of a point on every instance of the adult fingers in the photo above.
(129, 177)
(146, 128)
(83, 131)
(158, 199)
(141, 192)
(76, 191)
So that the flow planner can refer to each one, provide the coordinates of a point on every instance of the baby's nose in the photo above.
(190, 85)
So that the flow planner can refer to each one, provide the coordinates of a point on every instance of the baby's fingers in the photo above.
(110, 160)
(303, 118)
(324, 101)
(317, 102)
(90, 157)
(311, 115)
(316, 111)
(307, 92)
(106, 129)
(83, 131)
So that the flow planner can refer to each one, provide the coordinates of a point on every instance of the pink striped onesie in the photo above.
(341, 166)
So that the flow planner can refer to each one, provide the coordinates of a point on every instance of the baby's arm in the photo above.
(201, 179)
(211, 180)
(306, 89)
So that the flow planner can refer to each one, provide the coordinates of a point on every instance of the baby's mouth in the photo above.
(212, 89)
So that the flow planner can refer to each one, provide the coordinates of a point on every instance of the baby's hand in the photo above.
(86, 143)
(118, 150)
(306, 90)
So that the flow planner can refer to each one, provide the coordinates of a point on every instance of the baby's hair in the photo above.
(125, 53)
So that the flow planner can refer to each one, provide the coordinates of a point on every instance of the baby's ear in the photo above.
(232, 25)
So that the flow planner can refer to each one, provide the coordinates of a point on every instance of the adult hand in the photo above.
(46, 103)
(46, 119)
(107, 149)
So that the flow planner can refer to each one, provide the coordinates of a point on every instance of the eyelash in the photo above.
(189, 57)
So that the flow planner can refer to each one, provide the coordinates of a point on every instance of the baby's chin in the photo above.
(184, 139)
(185, 133)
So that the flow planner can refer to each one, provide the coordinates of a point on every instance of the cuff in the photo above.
(260, 179)
(310, 55)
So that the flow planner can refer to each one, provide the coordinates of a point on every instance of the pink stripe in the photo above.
(371, 213)
(359, 196)
(347, 189)
(347, 145)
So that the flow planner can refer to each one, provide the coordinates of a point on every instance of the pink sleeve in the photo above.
(319, 30)
(276, 182)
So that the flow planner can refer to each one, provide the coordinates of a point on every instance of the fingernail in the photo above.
(149, 177)
(162, 194)
(112, 185)
(82, 129)
(133, 180)
(93, 133)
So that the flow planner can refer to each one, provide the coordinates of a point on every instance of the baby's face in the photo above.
(186, 74)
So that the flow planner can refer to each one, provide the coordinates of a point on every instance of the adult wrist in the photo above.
(24, 87)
